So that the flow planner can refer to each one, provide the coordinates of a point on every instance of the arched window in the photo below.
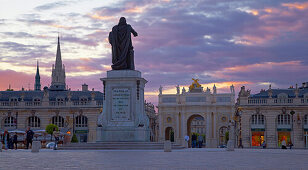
(34, 121)
(58, 120)
(9, 122)
(284, 119)
(257, 119)
(81, 121)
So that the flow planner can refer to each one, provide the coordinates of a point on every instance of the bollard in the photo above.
(36, 145)
(0, 146)
(167, 146)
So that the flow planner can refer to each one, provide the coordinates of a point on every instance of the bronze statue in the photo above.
(122, 48)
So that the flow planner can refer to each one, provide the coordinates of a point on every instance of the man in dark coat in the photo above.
(15, 141)
(29, 137)
(122, 48)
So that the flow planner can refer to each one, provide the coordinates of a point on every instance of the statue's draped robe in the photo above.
(122, 49)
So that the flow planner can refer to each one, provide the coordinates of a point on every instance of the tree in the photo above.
(50, 128)
(227, 136)
(74, 139)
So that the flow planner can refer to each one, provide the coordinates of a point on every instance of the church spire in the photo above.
(58, 71)
(58, 56)
(37, 84)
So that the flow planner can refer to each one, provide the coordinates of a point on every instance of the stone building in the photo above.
(177, 111)
(273, 115)
(197, 125)
(72, 111)
(153, 120)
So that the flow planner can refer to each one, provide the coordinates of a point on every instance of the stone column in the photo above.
(183, 128)
(246, 129)
(271, 129)
(298, 131)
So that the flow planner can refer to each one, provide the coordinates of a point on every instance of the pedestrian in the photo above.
(56, 135)
(194, 140)
(186, 138)
(29, 137)
(290, 144)
(200, 141)
(264, 144)
(15, 141)
(283, 144)
(6, 139)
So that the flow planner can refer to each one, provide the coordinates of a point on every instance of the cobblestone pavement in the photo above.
(177, 159)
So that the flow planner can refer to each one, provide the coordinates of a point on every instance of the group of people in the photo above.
(10, 142)
(196, 141)
(284, 144)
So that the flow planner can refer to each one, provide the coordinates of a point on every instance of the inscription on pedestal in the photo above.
(120, 104)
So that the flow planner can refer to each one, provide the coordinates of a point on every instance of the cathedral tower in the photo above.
(58, 72)
(37, 84)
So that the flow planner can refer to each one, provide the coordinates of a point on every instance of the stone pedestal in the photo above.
(230, 144)
(123, 117)
(167, 146)
(36, 145)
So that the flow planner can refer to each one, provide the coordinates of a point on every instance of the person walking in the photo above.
(29, 137)
(264, 144)
(283, 144)
(290, 144)
(56, 135)
(194, 140)
(6, 139)
(15, 141)
(200, 141)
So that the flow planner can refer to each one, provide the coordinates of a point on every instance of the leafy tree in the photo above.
(50, 128)
(227, 136)
(74, 139)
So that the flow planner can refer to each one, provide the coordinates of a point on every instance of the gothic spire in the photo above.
(37, 84)
(58, 56)
(58, 71)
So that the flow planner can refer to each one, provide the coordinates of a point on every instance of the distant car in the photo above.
(222, 146)
(50, 145)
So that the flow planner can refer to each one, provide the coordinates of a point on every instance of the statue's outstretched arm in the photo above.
(134, 32)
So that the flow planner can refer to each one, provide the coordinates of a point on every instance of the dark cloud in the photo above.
(52, 5)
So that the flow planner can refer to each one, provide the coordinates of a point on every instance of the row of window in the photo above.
(282, 119)
(34, 121)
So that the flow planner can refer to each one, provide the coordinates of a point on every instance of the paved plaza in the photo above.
(177, 159)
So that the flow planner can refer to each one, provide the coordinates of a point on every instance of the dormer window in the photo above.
(83, 101)
(14, 101)
(60, 101)
(36, 101)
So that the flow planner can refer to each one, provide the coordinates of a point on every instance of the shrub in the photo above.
(74, 139)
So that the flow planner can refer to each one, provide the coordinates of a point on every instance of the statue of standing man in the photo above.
(122, 48)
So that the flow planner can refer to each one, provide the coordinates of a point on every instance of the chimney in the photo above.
(84, 87)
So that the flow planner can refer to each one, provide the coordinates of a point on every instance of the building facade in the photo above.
(272, 116)
(73, 111)
(177, 112)
(153, 120)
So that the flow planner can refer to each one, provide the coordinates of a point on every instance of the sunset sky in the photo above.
(253, 43)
